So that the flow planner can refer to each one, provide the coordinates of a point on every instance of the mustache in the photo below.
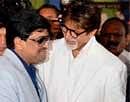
(44, 48)
(71, 41)
(112, 44)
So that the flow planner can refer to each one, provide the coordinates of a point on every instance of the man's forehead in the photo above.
(72, 24)
(40, 30)
(115, 27)
(48, 12)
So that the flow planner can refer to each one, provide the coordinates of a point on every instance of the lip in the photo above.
(71, 41)
(44, 50)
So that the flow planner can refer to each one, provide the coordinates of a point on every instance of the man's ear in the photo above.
(128, 38)
(19, 43)
(92, 33)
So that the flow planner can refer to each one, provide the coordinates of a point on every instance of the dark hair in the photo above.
(11, 7)
(49, 6)
(86, 16)
(23, 23)
(112, 21)
(2, 22)
(3, 18)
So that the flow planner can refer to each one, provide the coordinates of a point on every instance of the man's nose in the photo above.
(67, 34)
(112, 38)
(46, 44)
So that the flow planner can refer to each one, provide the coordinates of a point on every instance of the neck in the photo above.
(20, 54)
(75, 53)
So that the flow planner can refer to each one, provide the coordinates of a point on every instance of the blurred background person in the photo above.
(51, 13)
(113, 36)
(128, 49)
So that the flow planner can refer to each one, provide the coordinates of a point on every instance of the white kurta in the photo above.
(95, 75)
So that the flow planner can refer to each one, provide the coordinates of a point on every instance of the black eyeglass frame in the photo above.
(41, 40)
(71, 31)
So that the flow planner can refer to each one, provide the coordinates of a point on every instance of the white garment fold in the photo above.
(95, 75)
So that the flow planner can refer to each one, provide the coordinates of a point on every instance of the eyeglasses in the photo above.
(65, 29)
(42, 40)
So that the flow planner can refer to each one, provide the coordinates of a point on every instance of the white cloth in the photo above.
(95, 75)
(15, 83)
(125, 57)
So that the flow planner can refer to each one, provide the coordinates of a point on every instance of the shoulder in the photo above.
(107, 59)
(5, 59)
(8, 85)
(9, 64)
(7, 70)
(7, 77)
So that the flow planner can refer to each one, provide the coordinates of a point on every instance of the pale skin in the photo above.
(51, 15)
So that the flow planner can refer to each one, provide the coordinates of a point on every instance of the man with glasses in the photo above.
(28, 44)
(80, 69)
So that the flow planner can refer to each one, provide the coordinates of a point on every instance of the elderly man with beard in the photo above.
(80, 69)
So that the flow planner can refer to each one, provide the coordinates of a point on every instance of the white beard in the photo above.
(72, 45)
(45, 58)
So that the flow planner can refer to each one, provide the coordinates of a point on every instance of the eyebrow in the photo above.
(46, 36)
(40, 37)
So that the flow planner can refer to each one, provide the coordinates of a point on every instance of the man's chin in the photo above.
(71, 44)
(72, 47)
(115, 52)
(44, 60)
